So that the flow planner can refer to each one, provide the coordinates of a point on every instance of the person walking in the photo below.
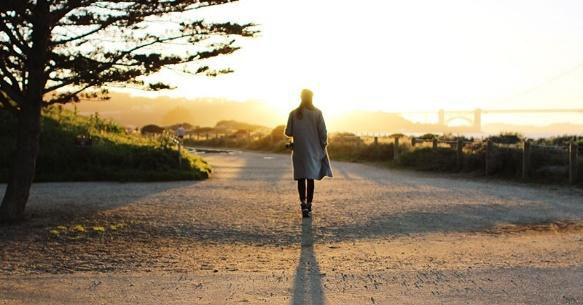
(307, 128)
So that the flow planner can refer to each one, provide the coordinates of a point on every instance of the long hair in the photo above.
(306, 103)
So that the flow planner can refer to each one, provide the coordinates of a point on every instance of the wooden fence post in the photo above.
(488, 156)
(573, 156)
(525, 159)
(413, 141)
(396, 149)
(460, 153)
(434, 145)
(376, 140)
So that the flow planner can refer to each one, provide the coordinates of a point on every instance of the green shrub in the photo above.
(506, 161)
(429, 136)
(358, 151)
(114, 154)
(442, 159)
(506, 138)
(563, 140)
(474, 160)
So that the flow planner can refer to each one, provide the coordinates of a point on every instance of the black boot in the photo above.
(305, 211)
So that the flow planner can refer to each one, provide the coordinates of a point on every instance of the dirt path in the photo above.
(377, 237)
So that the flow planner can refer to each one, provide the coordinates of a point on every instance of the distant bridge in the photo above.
(474, 117)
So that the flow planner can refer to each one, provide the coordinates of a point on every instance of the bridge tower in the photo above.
(441, 117)
(478, 119)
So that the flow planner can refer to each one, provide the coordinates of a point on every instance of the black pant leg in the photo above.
(302, 189)
(310, 190)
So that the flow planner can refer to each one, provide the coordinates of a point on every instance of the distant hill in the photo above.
(236, 125)
(360, 121)
(135, 111)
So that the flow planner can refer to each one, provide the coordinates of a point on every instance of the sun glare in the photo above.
(395, 56)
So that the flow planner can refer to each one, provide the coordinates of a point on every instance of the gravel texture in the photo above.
(377, 236)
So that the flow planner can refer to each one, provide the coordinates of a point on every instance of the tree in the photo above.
(63, 51)
(152, 129)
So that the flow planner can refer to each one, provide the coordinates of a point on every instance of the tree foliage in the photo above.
(76, 49)
(61, 51)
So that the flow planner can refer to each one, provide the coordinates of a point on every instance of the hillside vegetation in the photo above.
(80, 148)
(548, 164)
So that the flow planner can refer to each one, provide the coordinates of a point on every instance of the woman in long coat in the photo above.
(310, 159)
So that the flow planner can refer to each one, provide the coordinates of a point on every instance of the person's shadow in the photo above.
(308, 279)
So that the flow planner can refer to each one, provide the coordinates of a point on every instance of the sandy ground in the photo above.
(378, 236)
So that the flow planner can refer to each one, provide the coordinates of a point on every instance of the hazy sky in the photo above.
(402, 55)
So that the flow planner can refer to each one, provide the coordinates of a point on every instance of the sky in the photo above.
(414, 55)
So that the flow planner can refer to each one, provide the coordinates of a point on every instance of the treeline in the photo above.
(221, 128)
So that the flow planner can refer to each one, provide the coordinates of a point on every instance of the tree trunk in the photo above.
(23, 164)
(29, 116)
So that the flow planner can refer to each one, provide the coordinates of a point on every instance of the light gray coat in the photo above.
(310, 158)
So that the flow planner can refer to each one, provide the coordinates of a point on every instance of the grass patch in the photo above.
(114, 154)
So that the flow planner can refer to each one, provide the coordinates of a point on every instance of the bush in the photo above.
(442, 159)
(506, 161)
(559, 140)
(113, 155)
(429, 136)
(474, 160)
(506, 138)
(275, 141)
(358, 151)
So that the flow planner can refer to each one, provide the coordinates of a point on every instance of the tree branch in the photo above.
(6, 104)
(8, 74)
(64, 41)
(14, 95)
(12, 51)
(68, 7)
(18, 43)
(65, 98)
(114, 62)
(73, 68)
(17, 33)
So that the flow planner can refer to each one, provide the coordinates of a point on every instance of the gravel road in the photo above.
(378, 236)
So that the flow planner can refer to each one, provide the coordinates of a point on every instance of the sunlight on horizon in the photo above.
(400, 56)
